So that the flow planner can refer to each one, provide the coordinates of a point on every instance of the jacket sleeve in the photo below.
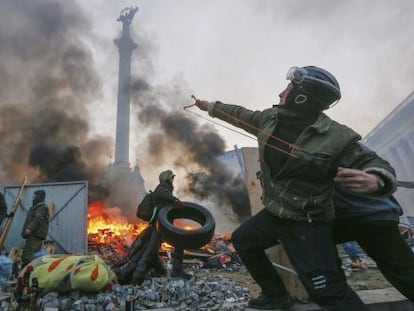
(359, 156)
(238, 116)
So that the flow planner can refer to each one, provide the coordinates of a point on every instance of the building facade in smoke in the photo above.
(126, 186)
(393, 139)
(244, 162)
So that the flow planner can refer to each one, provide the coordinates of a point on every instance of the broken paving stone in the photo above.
(206, 293)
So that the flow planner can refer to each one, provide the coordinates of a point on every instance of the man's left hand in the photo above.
(356, 180)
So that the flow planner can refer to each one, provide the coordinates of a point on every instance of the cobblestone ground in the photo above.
(359, 279)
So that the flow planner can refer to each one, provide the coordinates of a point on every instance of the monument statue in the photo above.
(127, 15)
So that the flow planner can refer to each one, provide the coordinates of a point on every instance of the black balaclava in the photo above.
(38, 196)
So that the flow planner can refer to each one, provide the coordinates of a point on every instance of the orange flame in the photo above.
(108, 225)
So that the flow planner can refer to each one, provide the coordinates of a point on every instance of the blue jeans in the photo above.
(311, 251)
(351, 250)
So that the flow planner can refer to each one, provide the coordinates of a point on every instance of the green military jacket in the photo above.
(304, 187)
(37, 220)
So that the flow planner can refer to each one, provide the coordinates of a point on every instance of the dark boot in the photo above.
(264, 302)
(178, 271)
(138, 279)
(158, 267)
(177, 265)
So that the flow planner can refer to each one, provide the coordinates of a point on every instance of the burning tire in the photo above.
(186, 238)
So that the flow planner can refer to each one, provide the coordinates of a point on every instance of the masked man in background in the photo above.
(35, 227)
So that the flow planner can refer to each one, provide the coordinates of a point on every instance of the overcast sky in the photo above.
(239, 51)
(59, 68)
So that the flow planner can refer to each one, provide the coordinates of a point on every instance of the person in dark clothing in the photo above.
(162, 196)
(3, 209)
(300, 151)
(372, 222)
(35, 227)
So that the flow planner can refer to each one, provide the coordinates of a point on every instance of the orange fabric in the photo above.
(54, 264)
(95, 273)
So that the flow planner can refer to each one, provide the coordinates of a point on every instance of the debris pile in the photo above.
(205, 292)
(111, 252)
(218, 253)
(208, 290)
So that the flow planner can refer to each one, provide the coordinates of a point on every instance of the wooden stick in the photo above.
(14, 209)
(51, 208)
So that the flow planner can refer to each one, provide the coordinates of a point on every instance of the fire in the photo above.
(108, 225)
(183, 224)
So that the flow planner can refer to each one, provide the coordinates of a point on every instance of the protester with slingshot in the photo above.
(301, 151)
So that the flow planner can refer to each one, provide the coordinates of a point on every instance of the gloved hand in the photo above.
(11, 214)
(178, 203)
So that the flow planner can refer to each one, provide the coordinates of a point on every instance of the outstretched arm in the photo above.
(246, 119)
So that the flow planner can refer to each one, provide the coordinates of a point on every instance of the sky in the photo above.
(238, 51)
(59, 76)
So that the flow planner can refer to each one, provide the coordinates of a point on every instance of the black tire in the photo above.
(188, 239)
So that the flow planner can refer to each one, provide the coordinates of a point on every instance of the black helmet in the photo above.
(314, 85)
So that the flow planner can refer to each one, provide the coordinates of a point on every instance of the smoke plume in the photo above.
(175, 137)
(48, 80)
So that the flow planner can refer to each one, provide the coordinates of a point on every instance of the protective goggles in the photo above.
(297, 75)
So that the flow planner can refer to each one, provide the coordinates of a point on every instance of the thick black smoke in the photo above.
(175, 136)
(48, 79)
